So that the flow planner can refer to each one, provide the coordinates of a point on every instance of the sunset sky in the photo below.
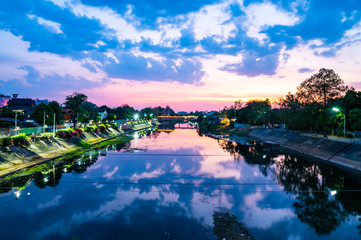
(189, 54)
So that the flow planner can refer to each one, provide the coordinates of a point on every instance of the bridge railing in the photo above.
(177, 117)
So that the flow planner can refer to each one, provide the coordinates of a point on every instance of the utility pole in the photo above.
(54, 126)
(344, 125)
(77, 120)
(16, 118)
(44, 123)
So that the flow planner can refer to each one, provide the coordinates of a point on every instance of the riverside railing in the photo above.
(8, 132)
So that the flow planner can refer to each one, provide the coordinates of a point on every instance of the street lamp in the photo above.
(136, 116)
(335, 109)
(44, 122)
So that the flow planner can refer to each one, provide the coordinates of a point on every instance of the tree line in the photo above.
(320, 104)
(84, 111)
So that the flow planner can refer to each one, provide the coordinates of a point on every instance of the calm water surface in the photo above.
(179, 185)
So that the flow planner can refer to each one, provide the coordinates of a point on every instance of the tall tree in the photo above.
(54, 105)
(320, 88)
(75, 100)
(290, 110)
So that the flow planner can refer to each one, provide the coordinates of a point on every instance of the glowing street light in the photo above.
(335, 109)
(136, 116)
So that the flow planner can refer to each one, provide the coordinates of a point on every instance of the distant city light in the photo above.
(136, 116)
(333, 193)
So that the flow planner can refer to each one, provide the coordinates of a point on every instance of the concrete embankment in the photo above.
(343, 154)
(41, 150)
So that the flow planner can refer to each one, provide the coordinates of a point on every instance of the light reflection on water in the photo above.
(172, 184)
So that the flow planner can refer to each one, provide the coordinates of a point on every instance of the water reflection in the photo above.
(312, 186)
(179, 185)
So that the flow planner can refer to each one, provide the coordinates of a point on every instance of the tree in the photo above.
(75, 100)
(320, 88)
(91, 110)
(7, 113)
(40, 110)
(291, 108)
(124, 112)
(256, 111)
(54, 105)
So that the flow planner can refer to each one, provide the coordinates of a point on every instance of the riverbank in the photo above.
(42, 150)
(345, 155)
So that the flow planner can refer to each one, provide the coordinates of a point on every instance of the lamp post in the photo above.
(16, 119)
(77, 120)
(344, 120)
(54, 126)
(44, 123)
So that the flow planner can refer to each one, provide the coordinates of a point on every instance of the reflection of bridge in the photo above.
(182, 118)
(189, 125)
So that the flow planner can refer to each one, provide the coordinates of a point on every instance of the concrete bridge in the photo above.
(177, 118)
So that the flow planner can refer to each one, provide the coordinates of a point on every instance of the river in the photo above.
(175, 184)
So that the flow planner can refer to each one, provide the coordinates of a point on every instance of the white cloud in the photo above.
(111, 173)
(210, 20)
(262, 218)
(262, 15)
(51, 203)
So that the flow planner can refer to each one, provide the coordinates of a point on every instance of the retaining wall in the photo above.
(345, 154)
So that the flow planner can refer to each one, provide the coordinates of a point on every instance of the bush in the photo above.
(76, 133)
(93, 128)
(46, 136)
(21, 140)
(67, 134)
(114, 125)
(102, 127)
(6, 142)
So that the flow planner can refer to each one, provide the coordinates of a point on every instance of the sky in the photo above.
(191, 55)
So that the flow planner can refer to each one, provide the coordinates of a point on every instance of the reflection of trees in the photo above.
(226, 226)
(311, 185)
(350, 199)
(257, 154)
(152, 134)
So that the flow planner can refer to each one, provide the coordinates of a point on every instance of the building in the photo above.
(24, 105)
(68, 114)
(102, 113)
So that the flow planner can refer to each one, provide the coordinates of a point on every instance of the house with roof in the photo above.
(23, 105)
(102, 113)
(67, 113)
